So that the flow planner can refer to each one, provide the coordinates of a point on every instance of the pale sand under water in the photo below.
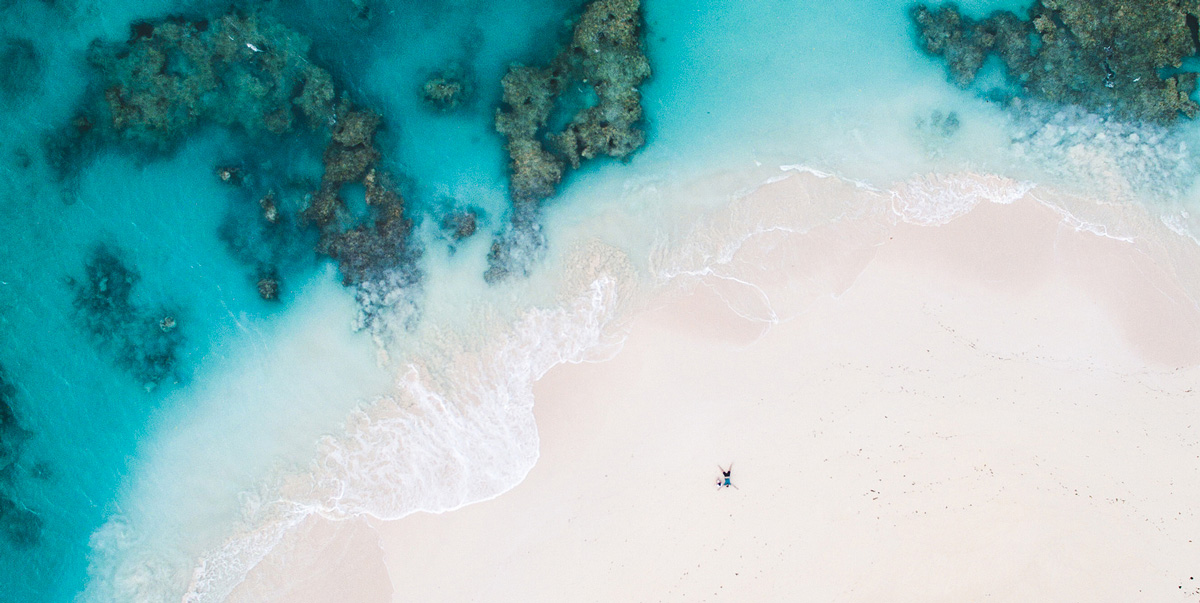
(999, 408)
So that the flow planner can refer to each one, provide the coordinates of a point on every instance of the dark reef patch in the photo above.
(449, 89)
(143, 342)
(1107, 56)
(453, 86)
(605, 54)
(239, 70)
(12, 436)
(461, 223)
(595, 80)
(19, 526)
(20, 69)
(22, 528)
(262, 228)
(941, 125)
(367, 252)
(69, 146)
(249, 73)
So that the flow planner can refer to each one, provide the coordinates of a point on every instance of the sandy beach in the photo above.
(999, 408)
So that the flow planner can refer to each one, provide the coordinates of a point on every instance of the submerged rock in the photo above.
(264, 232)
(230, 174)
(270, 212)
(1109, 56)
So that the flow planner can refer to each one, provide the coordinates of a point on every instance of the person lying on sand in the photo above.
(724, 482)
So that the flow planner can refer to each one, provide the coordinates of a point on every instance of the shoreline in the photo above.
(995, 406)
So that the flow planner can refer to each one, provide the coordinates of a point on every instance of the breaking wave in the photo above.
(458, 429)
(458, 425)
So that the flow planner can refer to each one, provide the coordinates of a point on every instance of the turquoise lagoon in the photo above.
(118, 471)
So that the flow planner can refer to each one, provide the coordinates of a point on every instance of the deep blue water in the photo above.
(834, 84)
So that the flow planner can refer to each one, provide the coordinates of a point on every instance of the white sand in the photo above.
(1000, 408)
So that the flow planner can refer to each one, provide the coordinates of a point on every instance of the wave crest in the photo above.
(447, 437)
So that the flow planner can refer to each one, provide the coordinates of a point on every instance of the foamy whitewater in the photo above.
(286, 412)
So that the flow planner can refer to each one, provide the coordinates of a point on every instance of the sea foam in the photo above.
(458, 428)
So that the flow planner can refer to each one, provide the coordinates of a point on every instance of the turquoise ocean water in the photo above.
(114, 454)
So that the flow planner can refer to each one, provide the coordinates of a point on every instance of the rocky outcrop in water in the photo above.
(594, 80)
(144, 342)
(1107, 56)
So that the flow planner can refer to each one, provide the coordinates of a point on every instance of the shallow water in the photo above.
(134, 482)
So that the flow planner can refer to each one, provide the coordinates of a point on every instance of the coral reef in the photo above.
(605, 58)
(145, 343)
(268, 285)
(374, 251)
(238, 70)
(20, 68)
(448, 89)
(515, 251)
(1108, 56)
(605, 53)
(249, 73)
(351, 151)
(461, 224)
(368, 252)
